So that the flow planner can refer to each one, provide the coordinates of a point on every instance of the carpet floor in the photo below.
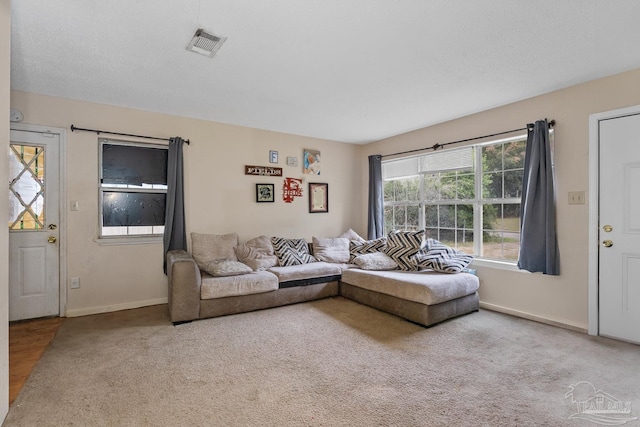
(331, 362)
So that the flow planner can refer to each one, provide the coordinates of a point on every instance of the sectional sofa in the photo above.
(222, 277)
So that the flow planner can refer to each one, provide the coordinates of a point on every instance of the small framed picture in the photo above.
(311, 162)
(318, 197)
(265, 193)
(292, 161)
(273, 156)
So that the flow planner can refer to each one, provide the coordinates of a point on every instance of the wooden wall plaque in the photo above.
(262, 170)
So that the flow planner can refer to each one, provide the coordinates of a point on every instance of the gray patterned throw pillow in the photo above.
(292, 251)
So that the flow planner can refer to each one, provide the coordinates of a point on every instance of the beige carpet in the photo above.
(327, 363)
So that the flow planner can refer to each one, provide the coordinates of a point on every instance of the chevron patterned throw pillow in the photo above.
(357, 247)
(403, 245)
(439, 257)
(292, 251)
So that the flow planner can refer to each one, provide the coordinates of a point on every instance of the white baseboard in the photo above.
(536, 318)
(116, 307)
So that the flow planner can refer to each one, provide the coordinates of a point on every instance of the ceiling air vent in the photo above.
(205, 44)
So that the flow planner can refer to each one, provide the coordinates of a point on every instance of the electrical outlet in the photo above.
(576, 197)
(75, 283)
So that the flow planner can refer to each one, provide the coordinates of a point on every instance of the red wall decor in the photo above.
(291, 189)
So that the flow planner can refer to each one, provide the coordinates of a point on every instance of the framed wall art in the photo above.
(273, 156)
(318, 197)
(265, 193)
(311, 162)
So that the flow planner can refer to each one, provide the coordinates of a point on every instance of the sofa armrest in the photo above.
(184, 286)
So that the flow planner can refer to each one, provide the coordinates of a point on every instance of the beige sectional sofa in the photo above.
(425, 297)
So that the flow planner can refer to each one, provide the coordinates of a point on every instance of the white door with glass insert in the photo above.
(619, 228)
(34, 270)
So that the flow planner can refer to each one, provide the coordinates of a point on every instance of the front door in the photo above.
(619, 228)
(34, 270)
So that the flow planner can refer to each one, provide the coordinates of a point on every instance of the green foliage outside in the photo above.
(502, 166)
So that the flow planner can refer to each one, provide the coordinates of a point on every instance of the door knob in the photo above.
(52, 239)
(607, 228)
(607, 243)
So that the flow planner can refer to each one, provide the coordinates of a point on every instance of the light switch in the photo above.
(75, 205)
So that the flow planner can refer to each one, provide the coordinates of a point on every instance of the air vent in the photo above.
(205, 44)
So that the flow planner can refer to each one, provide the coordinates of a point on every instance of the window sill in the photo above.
(499, 265)
(130, 240)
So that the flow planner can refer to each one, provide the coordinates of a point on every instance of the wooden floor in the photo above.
(27, 342)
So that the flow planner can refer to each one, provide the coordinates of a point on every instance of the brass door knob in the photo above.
(607, 243)
(607, 228)
(52, 239)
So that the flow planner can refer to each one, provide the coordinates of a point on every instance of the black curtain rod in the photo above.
(74, 128)
(434, 147)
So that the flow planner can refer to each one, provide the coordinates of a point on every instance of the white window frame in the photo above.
(478, 202)
(133, 235)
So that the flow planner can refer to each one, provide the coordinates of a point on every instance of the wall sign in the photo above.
(262, 170)
(291, 189)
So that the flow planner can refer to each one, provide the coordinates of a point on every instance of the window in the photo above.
(26, 187)
(468, 198)
(133, 188)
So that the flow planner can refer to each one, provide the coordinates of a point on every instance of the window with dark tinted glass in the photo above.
(133, 187)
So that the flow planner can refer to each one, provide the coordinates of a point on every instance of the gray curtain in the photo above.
(376, 198)
(175, 236)
(538, 240)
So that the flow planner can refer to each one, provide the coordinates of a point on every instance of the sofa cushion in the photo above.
(257, 253)
(351, 235)
(403, 245)
(440, 257)
(305, 271)
(366, 247)
(226, 267)
(246, 284)
(425, 287)
(206, 248)
(291, 251)
(331, 250)
(375, 261)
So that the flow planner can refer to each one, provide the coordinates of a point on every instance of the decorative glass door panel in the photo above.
(26, 187)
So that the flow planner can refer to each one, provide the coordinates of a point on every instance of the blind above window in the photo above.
(449, 160)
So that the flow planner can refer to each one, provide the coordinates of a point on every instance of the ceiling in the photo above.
(347, 70)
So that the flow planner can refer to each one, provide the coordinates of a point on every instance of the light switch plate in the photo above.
(576, 197)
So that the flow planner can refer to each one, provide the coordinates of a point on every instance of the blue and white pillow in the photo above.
(439, 257)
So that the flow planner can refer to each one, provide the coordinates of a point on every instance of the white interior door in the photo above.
(34, 266)
(619, 228)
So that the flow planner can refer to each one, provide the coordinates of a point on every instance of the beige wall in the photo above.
(563, 298)
(5, 60)
(220, 198)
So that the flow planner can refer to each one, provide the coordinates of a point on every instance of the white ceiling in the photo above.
(346, 70)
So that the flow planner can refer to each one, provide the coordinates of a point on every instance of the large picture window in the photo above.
(468, 198)
(133, 188)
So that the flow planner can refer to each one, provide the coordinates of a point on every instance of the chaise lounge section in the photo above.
(424, 297)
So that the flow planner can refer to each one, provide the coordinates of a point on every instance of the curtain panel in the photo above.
(175, 236)
(538, 239)
(376, 198)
